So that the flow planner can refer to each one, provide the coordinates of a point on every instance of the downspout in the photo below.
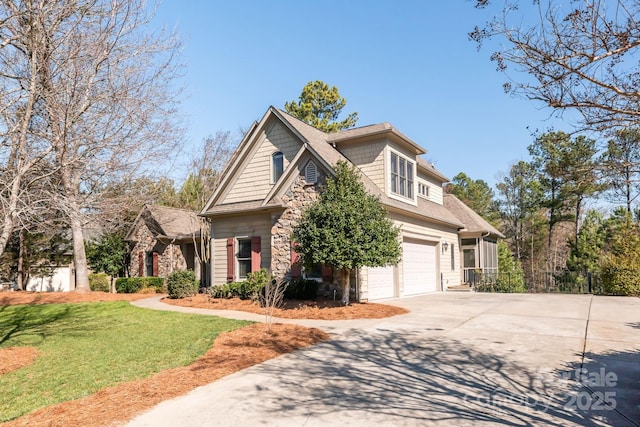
(211, 254)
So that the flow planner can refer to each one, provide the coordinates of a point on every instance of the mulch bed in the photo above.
(293, 309)
(231, 352)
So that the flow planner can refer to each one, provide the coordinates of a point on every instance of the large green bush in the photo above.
(182, 284)
(618, 279)
(131, 285)
(619, 270)
(99, 282)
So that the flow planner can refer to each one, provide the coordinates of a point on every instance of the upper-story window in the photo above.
(277, 166)
(401, 176)
(423, 190)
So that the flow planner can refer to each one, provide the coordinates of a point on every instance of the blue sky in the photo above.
(408, 63)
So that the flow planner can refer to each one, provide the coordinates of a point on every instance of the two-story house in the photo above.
(279, 168)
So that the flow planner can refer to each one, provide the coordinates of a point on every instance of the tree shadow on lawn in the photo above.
(33, 323)
(413, 379)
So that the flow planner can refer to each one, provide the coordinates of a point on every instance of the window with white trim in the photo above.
(401, 175)
(311, 173)
(423, 190)
(277, 166)
(243, 258)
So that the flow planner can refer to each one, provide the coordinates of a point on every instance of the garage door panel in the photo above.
(419, 267)
(380, 282)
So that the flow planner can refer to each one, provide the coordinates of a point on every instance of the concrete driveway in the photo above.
(457, 359)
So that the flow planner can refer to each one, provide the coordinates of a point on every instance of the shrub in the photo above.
(182, 284)
(302, 289)
(131, 285)
(502, 286)
(619, 280)
(99, 282)
(247, 289)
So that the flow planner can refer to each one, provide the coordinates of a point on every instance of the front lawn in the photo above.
(85, 347)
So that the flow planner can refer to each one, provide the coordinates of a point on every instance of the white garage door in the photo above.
(419, 267)
(380, 282)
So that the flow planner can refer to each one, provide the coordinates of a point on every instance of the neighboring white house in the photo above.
(280, 167)
(60, 278)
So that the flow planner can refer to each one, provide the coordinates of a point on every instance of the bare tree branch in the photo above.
(579, 55)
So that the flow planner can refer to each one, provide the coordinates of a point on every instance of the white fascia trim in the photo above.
(387, 175)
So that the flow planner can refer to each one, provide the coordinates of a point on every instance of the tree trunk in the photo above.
(9, 215)
(79, 255)
(21, 249)
(346, 286)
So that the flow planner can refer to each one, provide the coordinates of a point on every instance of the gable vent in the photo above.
(311, 173)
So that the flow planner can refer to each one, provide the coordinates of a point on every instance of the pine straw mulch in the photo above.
(322, 309)
(231, 352)
(24, 297)
(14, 358)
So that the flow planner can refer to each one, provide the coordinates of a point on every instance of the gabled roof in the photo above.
(385, 128)
(473, 223)
(430, 169)
(321, 147)
(167, 223)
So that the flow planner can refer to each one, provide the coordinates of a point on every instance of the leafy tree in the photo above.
(621, 166)
(582, 179)
(622, 262)
(510, 269)
(347, 228)
(320, 106)
(578, 55)
(108, 254)
(476, 194)
(586, 255)
(566, 170)
(520, 198)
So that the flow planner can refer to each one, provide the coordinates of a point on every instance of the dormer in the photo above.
(385, 155)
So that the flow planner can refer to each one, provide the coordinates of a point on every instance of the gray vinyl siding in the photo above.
(368, 157)
(254, 177)
(435, 188)
(245, 226)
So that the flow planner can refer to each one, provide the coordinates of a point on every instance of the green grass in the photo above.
(86, 347)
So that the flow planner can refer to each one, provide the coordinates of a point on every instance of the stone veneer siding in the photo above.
(170, 257)
(299, 196)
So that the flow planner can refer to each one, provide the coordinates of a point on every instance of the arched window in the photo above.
(277, 166)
